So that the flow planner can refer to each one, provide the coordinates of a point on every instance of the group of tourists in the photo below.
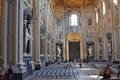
(67, 67)
(5, 74)
(78, 61)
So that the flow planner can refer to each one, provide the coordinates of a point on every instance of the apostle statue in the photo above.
(109, 48)
(90, 50)
(59, 51)
(28, 38)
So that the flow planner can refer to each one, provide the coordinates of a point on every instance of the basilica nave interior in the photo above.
(44, 31)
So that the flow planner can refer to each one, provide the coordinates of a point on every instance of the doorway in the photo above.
(74, 50)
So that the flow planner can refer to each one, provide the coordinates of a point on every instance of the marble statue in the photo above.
(90, 50)
(109, 47)
(28, 37)
(59, 51)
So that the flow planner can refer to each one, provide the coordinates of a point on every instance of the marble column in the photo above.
(82, 56)
(96, 44)
(104, 42)
(12, 34)
(50, 48)
(64, 39)
(20, 63)
(3, 30)
(116, 44)
(54, 40)
(36, 31)
(45, 47)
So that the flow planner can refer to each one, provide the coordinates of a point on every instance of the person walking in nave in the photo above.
(10, 73)
(118, 71)
(2, 70)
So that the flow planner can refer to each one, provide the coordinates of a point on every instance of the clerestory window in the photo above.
(96, 17)
(115, 2)
(103, 8)
(73, 20)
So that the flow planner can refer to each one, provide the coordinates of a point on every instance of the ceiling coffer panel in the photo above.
(81, 3)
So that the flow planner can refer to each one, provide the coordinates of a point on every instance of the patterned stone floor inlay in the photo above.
(57, 72)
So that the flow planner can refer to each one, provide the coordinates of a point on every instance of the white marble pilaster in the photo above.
(50, 49)
(116, 46)
(45, 46)
(10, 38)
(64, 39)
(38, 30)
(5, 23)
(20, 63)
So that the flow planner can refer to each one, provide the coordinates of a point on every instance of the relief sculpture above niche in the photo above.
(59, 35)
(90, 35)
(58, 22)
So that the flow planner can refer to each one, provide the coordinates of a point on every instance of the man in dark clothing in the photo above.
(118, 71)
(10, 73)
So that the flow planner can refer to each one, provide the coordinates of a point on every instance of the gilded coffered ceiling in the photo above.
(75, 3)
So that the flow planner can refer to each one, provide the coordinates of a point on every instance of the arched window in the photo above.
(115, 2)
(116, 15)
(73, 20)
(96, 17)
(103, 3)
(96, 14)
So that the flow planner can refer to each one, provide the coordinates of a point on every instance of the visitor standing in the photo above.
(2, 70)
(118, 71)
(107, 73)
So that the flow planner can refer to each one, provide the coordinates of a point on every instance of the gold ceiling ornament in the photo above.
(81, 3)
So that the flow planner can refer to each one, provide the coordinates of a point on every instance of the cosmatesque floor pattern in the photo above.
(57, 72)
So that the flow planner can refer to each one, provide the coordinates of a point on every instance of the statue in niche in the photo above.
(28, 14)
(100, 48)
(109, 43)
(90, 50)
(109, 48)
(58, 51)
(28, 38)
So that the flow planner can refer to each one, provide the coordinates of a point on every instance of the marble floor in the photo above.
(58, 72)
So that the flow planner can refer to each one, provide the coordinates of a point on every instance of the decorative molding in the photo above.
(27, 4)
